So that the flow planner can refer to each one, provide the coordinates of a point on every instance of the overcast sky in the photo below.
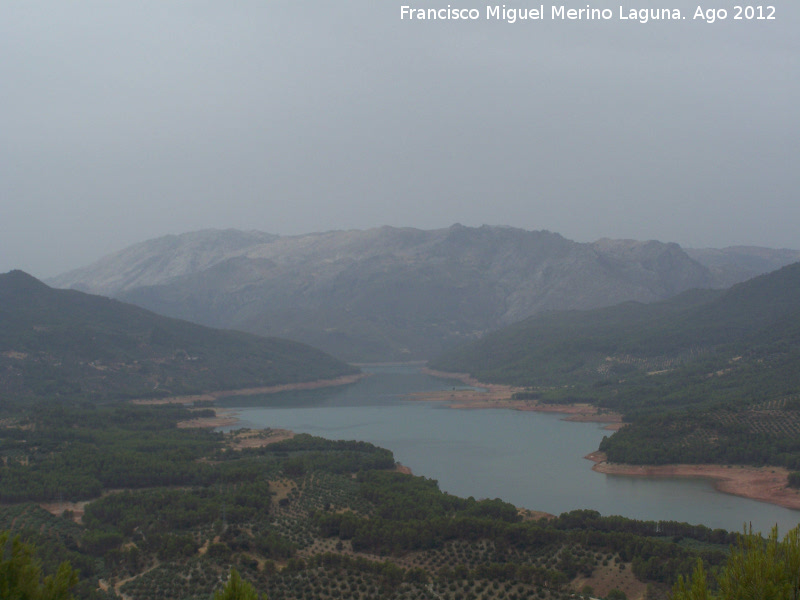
(126, 120)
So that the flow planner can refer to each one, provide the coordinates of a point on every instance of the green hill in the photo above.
(706, 377)
(760, 316)
(67, 344)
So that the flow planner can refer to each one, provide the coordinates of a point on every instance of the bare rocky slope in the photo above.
(385, 293)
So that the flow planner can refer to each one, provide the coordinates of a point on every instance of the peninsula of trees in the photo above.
(705, 377)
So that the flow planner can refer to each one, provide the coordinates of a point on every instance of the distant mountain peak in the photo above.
(19, 282)
(385, 293)
(17, 276)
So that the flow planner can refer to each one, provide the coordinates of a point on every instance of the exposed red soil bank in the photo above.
(767, 484)
(500, 396)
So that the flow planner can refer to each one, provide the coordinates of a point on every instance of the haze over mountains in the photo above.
(399, 294)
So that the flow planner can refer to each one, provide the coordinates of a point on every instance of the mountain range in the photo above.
(399, 293)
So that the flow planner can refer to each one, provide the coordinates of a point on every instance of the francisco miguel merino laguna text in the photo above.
(511, 15)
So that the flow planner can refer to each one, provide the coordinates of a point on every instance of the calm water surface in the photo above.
(530, 459)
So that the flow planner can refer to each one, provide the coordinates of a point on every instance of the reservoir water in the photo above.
(533, 460)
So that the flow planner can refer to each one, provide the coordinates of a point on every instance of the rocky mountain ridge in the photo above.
(386, 293)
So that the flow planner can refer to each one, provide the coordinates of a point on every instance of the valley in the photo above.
(171, 453)
(316, 301)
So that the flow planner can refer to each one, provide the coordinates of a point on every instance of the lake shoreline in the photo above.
(225, 417)
(270, 389)
(765, 484)
(500, 396)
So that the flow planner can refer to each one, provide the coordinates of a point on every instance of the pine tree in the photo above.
(21, 574)
(237, 589)
(757, 568)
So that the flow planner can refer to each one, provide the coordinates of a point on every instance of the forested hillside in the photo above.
(71, 345)
(707, 376)
(562, 346)
(146, 511)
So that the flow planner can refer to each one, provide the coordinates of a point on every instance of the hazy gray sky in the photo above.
(126, 120)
